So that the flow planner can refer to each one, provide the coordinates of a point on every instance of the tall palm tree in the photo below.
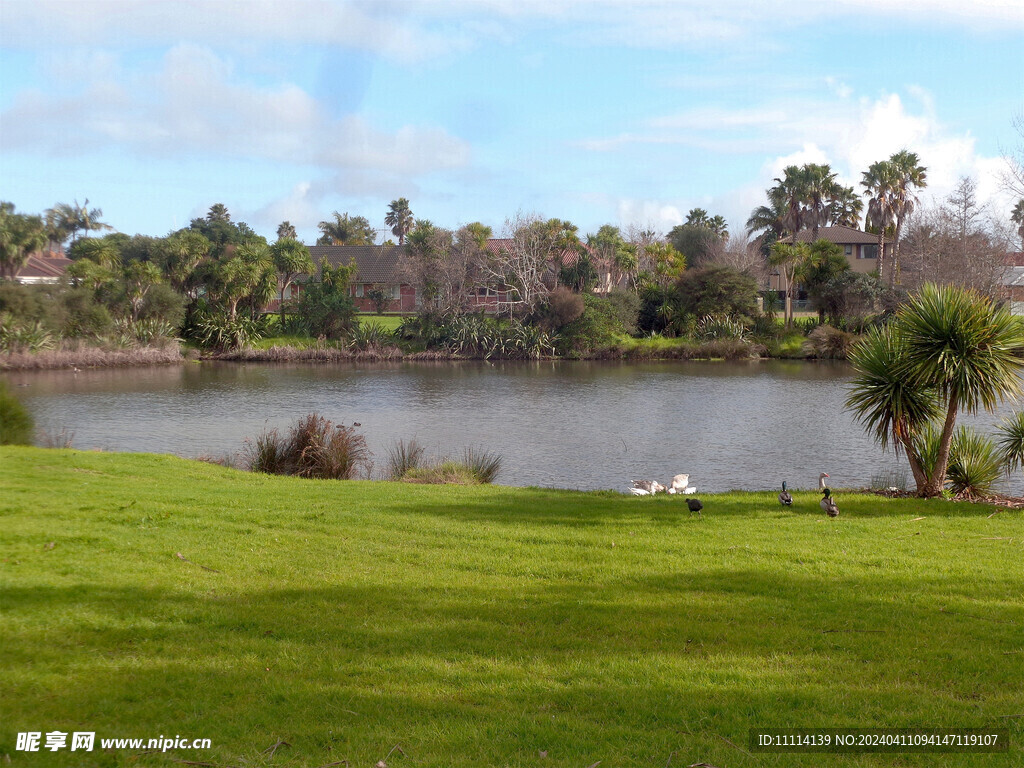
(879, 181)
(1017, 217)
(820, 188)
(89, 219)
(286, 230)
(910, 175)
(346, 230)
(789, 194)
(218, 212)
(767, 222)
(845, 208)
(399, 218)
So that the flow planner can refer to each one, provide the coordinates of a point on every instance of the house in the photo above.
(1013, 282)
(377, 266)
(44, 267)
(860, 249)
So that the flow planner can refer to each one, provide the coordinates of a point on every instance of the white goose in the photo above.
(646, 487)
(681, 484)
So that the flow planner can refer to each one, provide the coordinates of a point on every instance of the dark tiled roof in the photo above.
(839, 235)
(41, 266)
(375, 263)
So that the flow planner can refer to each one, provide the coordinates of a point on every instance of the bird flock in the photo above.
(681, 485)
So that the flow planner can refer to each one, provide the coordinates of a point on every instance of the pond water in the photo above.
(587, 425)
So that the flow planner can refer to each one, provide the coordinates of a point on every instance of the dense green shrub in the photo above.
(561, 308)
(16, 424)
(595, 329)
(626, 305)
(717, 291)
(83, 316)
(165, 304)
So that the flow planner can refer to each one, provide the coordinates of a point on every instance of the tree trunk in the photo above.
(920, 478)
(881, 254)
(937, 479)
(284, 287)
(896, 253)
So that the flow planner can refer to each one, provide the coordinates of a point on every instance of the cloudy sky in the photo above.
(598, 112)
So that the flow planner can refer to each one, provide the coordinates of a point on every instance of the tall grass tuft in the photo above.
(266, 453)
(404, 456)
(317, 447)
(485, 465)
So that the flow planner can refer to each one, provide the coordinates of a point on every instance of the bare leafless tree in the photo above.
(521, 265)
(956, 242)
(1013, 175)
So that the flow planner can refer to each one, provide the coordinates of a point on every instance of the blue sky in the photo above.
(598, 112)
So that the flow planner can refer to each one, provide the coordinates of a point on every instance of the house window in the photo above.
(869, 251)
(849, 250)
(359, 291)
(396, 292)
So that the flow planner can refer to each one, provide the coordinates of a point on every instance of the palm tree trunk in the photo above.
(937, 479)
(896, 253)
(920, 478)
(881, 254)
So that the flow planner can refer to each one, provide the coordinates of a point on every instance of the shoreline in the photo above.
(95, 358)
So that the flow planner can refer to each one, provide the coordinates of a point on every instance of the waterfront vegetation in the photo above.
(486, 625)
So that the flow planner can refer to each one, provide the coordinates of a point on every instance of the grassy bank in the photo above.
(473, 626)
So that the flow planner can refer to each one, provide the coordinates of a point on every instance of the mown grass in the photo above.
(484, 625)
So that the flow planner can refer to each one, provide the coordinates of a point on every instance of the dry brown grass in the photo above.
(89, 357)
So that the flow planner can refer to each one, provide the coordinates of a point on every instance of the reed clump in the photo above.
(313, 447)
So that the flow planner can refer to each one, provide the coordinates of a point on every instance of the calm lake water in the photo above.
(745, 425)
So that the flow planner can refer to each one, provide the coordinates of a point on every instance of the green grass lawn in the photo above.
(485, 626)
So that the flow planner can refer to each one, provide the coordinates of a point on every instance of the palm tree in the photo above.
(966, 349)
(949, 349)
(788, 195)
(399, 218)
(290, 258)
(286, 229)
(20, 237)
(885, 402)
(788, 257)
(819, 189)
(879, 181)
(845, 208)
(88, 220)
(218, 212)
(910, 175)
(346, 230)
(698, 217)
(767, 222)
(1017, 217)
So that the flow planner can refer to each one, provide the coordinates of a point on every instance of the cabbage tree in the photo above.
(948, 350)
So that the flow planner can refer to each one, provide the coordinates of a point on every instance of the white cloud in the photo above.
(381, 28)
(195, 104)
(416, 32)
